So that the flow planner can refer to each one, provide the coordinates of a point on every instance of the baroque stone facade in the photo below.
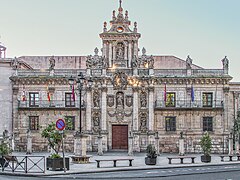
(147, 98)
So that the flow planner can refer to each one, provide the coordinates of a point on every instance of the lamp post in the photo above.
(80, 146)
(80, 81)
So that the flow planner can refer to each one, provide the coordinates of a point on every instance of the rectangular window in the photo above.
(207, 99)
(70, 123)
(34, 122)
(170, 99)
(170, 123)
(33, 99)
(69, 102)
(207, 124)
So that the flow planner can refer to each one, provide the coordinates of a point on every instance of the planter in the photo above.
(206, 158)
(150, 161)
(57, 164)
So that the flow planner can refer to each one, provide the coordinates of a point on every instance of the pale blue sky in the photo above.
(207, 30)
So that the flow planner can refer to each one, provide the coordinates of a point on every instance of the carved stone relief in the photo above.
(129, 100)
(96, 121)
(120, 100)
(110, 100)
(143, 121)
(96, 99)
(143, 99)
(120, 80)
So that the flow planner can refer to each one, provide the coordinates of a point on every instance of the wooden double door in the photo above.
(120, 137)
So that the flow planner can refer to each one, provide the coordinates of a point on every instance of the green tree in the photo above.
(206, 144)
(54, 138)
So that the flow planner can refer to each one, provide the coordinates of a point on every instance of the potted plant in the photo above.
(4, 151)
(151, 158)
(54, 138)
(206, 145)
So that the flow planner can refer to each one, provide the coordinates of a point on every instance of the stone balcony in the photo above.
(53, 104)
(187, 104)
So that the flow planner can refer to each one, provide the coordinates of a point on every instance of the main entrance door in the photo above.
(119, 137)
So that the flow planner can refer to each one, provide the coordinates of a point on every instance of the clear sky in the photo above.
(207, 30)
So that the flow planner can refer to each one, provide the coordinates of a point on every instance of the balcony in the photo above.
(53, 104)
(187, 104)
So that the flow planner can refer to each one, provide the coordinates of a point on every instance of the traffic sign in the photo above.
(60, 124)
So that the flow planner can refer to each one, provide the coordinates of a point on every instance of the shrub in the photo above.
(151, 151)
(206, 144)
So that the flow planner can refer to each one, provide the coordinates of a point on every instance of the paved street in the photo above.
(156, 173)
(162, 170)
(228, 172)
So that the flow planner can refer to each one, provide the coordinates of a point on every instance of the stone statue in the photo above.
(15, 63)
(135, 62)
(89, 62)
(143, 99)
(143, 125)
(120, 51)
(151, 62)
(225, 63)
(96, 99)
(52, 63)
(189, 63)
(96, 51)
(181, 135)
(119, 100)
(96, 121)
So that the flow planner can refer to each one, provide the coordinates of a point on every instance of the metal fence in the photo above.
(24, 164)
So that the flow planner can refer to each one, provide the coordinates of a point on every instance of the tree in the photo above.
(54, 138)
(206, 144)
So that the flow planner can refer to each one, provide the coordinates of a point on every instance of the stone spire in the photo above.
(120, 9)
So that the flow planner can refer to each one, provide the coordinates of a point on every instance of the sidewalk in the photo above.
(138, 163)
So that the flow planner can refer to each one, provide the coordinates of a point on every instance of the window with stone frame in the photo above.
(33, 99)
(207, 124)
(69, 101)
(34, 123)
(170, 123)
(70, 123)
(170, 99)
(207, 99)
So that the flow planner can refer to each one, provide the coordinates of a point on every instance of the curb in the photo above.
(117, 170)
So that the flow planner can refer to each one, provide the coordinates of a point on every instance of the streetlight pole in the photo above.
(80, 146)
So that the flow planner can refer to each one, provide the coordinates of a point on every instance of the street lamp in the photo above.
(80, 79)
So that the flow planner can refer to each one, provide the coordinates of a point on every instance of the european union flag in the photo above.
(192, 93)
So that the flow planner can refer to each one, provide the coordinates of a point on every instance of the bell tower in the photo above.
(120, 42)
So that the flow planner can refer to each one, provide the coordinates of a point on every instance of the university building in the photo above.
(135, 99)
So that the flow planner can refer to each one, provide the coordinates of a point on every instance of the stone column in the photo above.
(230, 144)
(29, 142)
(125, 53)
(226, 109)
(104, 49)
(157, 144)
(135, 49)
(100, 147)
(114, 53)
(130, 145)
(135, 109)
(181, 145)
(151, 109)
(80, 145)
(89, 110)
(104, 109)
(15, 116)
(129, 54)
(237, 145)
(110, 54)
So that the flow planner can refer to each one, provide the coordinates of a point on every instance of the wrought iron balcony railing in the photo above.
(50, 104)
(187, 104)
